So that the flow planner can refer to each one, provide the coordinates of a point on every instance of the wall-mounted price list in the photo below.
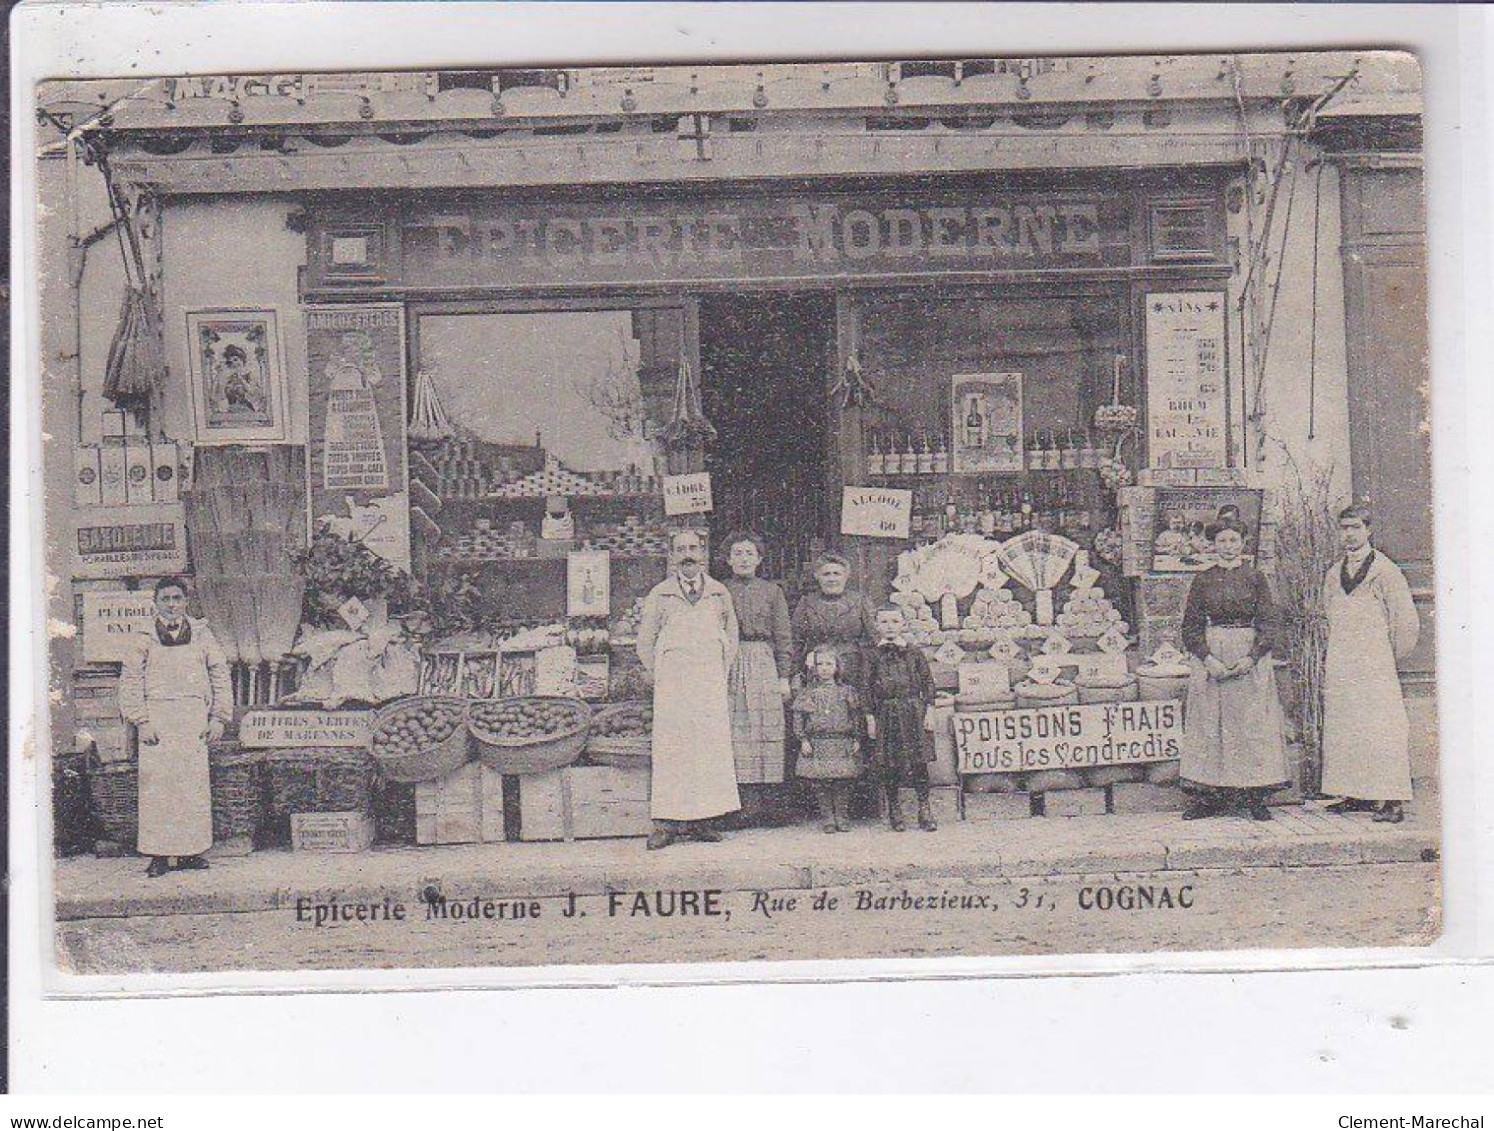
(1185, 380)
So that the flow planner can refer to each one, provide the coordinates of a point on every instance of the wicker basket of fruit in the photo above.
(622, 735)
(529, 734)
(419, 739)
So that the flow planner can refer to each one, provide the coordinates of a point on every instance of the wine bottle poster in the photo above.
(986, 425)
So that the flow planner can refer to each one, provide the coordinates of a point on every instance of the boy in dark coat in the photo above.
(900, 697)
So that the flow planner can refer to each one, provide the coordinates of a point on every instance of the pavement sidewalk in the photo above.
(766, 859)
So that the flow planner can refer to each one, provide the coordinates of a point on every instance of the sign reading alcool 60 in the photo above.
(1068, 738)
(598, 241)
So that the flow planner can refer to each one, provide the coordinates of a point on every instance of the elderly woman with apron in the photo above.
(1234, 752)
(759, 681)
(837, 618)
(175, 689)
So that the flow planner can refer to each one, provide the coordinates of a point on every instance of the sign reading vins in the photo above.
(1185, 388)
(1068, 738)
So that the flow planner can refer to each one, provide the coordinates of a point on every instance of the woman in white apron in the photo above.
(175, 689)
(1372, 623)
(1234, 752)
(687, 640)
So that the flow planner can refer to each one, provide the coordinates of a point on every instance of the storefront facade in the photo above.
(1075, 303)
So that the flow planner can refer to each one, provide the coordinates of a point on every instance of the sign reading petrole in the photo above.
(111, 621)
(271, 729)
(876, 512)
(1068, 738)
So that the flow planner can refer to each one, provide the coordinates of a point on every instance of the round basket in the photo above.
(1103, 693)
(429, 763)
(537, 755)
(234, 777)
(1030, 694)
(619, 750)
(1155, 687)
(115, 787)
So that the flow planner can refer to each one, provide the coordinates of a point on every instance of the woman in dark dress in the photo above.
(835, 617)
(759, 680)
(1234, 753)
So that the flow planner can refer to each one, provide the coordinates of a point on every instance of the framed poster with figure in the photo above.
(237, 377)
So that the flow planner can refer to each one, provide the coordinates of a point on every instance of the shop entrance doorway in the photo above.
(764, 361)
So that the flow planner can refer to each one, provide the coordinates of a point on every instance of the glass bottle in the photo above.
(975, 424)
(875, 462)
(908, 464)
(925, 462)
(892, 455)
(941, 454)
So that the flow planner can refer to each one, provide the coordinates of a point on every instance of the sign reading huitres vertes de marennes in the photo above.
(1064, 738)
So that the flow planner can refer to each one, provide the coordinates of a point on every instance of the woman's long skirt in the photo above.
(757, 715)
(1232, 733)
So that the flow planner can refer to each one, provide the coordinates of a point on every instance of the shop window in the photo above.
(1036, 370)
(595, 404)
(538, 433)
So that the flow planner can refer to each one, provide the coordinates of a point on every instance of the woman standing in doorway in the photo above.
(759, 680)
(1234, 754)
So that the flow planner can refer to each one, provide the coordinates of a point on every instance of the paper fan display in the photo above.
(1038, 560)
(948, 570)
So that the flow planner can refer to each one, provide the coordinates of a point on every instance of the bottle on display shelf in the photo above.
(941, 455)
(908, 463)
(891, 455)
(875, 462)
(1025, 521)
(925, 457)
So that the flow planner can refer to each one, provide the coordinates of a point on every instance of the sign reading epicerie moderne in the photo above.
(1068, 738)
(574, 241)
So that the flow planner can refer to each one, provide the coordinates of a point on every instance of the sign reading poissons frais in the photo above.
(1068, 738)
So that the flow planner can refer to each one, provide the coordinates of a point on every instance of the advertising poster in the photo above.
(987, 421)
(355, 363)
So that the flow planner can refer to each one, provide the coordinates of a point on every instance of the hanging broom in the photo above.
(428, 420)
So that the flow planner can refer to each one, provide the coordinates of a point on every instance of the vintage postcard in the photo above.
(570, 516)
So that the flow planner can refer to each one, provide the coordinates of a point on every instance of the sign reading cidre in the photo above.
(280, 729)
(1068, 738)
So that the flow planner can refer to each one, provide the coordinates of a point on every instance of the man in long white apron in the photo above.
(1372, 623)
(175, 689)
(687, 640)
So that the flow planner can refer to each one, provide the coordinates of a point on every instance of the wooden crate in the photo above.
(331, 832)
(464, 807)
(584, 803)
